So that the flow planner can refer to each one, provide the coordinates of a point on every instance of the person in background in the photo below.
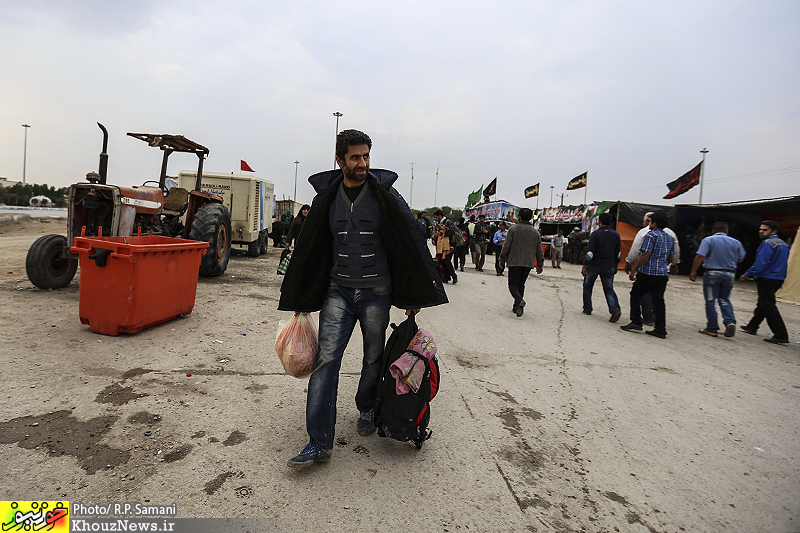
(445, 230)
(769, 271)
(557, 249)
(471, 241)
(499, 239)
(428, 225)
(461, 251)
(423, 226)
(719, 254)
(602, 258)
(481, 236)
(522, 250)
(574, 246)
(297, 225)
(650, 274)
(646, 300)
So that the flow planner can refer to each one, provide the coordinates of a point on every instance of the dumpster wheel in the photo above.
(212, 224)
(44, 265)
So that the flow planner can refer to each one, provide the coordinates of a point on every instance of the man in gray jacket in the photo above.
(522, 251)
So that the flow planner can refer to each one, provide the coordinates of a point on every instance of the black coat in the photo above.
(415, 282)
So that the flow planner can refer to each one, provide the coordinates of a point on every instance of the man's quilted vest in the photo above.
(359, 257)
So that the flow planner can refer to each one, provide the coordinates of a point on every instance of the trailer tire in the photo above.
(262, 241)
(44, 265)
(212, 224)
(254, 248)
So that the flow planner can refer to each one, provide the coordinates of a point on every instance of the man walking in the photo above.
(602, 258)
(499, 240)
(769, 271)
(481, 236)
(360, 252)
(522, 250)
(650, 274)
(646, 301)
(446, 231)
(719, 254)
(557, 249)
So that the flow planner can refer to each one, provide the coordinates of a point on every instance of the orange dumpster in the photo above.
(128, 284)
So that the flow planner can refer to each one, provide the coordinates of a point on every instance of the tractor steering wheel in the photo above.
(163, 189)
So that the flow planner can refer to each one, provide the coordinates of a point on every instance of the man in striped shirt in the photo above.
(650, 274)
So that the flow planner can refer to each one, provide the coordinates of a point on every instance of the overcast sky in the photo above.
(528, 92)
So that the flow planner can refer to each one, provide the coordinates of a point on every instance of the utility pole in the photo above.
(562, 195)
(294, 198)
(551, 195)
(704, 151)
(436, 188)
(337, 115)
(25, 152)
(411, 197)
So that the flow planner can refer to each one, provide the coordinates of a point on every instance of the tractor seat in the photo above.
(175, 200)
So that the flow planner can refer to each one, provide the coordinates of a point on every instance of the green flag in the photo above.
(475, 197)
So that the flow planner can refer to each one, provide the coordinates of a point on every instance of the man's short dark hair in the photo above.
(525, 214)
(461, 220)
(771, 224)
(472, 218)
(481, 216)
(719, 226)
(605, 218)
(660, 219)
(348, 138)
(438, 212)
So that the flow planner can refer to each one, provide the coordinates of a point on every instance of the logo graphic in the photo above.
(35, 516)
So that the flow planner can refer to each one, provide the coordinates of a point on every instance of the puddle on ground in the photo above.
(143, 417)
(215, 484)
(178, 453)
(61, 434)
(236, 437)
(116, 394)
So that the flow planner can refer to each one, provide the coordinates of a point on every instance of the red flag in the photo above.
(684, 183)
(246, 167)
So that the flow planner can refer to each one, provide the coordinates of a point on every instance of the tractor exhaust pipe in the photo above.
(104, 156)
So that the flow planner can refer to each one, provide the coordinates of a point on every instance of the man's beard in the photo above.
(351, 175)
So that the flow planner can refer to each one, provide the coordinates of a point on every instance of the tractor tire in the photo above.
(44, 265)
(212, 224)
(262, 241)
(254, 248)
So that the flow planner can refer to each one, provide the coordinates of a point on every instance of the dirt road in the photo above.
(555, 421)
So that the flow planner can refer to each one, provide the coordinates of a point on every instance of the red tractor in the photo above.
(121, 211)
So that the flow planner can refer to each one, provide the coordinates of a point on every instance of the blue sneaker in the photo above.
(310, 455)
(366, 423)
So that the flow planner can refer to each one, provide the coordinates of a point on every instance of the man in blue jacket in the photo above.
(769, 271)
(602, 258)
(359, 253)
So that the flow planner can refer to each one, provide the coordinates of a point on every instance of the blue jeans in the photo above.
(717, 287)
(344, 306)
(607, 279)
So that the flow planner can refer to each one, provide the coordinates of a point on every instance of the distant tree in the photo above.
(20, 194)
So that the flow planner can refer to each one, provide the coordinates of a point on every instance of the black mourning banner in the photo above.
(684, 183)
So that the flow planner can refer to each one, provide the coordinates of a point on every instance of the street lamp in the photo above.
(411, 197)
(337, 115)
(294, 198)
(25, 151)
(551, 194)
